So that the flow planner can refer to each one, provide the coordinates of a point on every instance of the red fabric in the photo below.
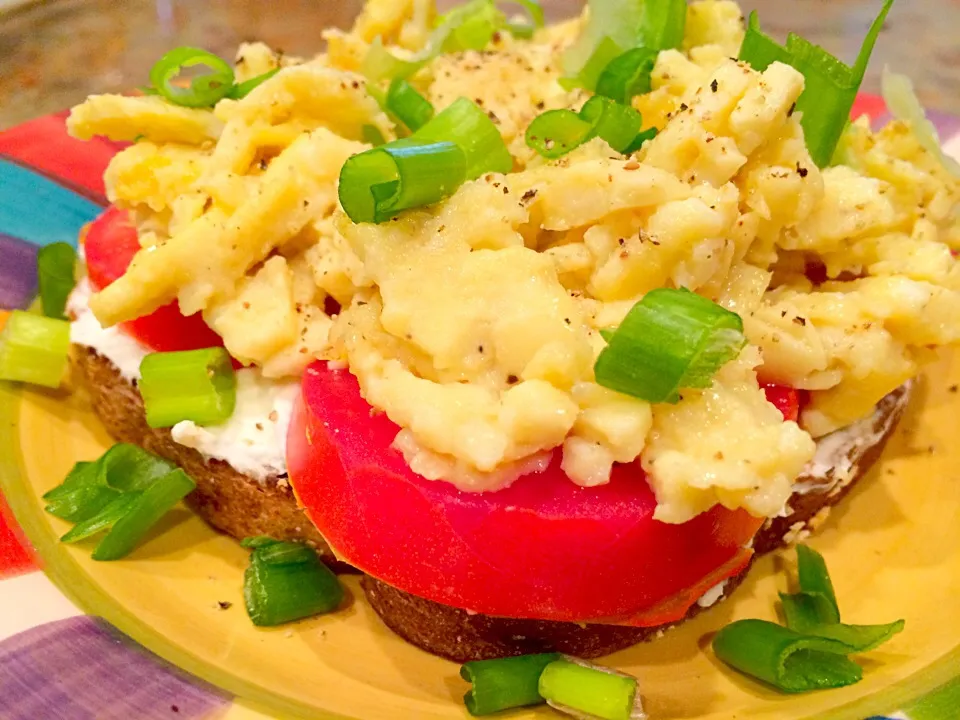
(44, 145)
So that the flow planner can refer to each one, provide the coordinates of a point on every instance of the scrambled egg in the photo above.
(474, 324)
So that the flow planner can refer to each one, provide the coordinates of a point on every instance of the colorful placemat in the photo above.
(56, 662)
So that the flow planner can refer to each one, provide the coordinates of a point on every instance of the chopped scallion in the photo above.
(810, 653)
(56, 264)
(458, 144)
(470, 26)
(371, 135)
(617, 26)
(124, 492)
(670, 340)
(151, 504)
(241, 90)
(377, 184)
(205, 90)
(785, 659)
(627, 75)
(34, 349)
(588, 690)
(504, 683)
(465, 124)
(556, 132)
(830, 85)
(409, 106)
(287, 582)
(197, 385)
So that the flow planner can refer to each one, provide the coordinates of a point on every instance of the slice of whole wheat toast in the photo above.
(242, 507)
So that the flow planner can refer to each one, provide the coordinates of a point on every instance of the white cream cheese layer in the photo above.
(252, 441)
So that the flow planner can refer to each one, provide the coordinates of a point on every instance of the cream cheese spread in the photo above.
(252, 441)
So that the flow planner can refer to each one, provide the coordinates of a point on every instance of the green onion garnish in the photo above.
(465, 124)
(56, 264)
(287, 582)
(371, 135)
(588, 690)
(785, 659)
(556, 132)
(617, 26)
(197, 385)
(810, 653)
(407, 105)
(670, 340)
(830, 85)
(124, 493)
(627, 75)
(470, 26)
(34, 349)
(241, 90)
(377, 184)
(82, 495)
(504, 683)
(205, 90)
(152, 504)
(459, 144)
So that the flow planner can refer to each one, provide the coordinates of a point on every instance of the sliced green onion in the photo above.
(627, 75)
(830, 85)
(371, 135)
(535, 19)
(409, 106)
(556, 132)
(130, 468)
(103, 520)
(258, 541)
(470, 26)
(504, 683)
(785, 659)
(152, 504)
(670, 340)
(241, 90)
(197, 385)
(814, 579)
(287, 582)
(56, 264)
(640, 139)
(588, 690)
(810, 653)
(903, 103)
(205, 90)
(82, 495)
(622, 25)
(34, 349)
(377, 184)
(465, 124)
(460, 143)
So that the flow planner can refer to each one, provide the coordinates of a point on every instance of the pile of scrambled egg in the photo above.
(474, 324)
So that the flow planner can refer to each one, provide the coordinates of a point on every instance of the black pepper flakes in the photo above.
(529, 195)
(802, 171)
(791, 110)
(684, 106)
(512, 379)
(225, 604)
(714, 86)
(952, 388)
(802, 322)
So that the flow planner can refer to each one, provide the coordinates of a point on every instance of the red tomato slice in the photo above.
(786, 399)
(543, 548)
(110, 244)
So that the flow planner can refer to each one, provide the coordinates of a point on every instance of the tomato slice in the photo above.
(543, 548)
(786, 399)
(110, 244)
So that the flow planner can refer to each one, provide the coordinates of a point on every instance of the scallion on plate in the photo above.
(197, 385)
(34, 349)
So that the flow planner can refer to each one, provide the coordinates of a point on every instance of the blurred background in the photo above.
(53, 53)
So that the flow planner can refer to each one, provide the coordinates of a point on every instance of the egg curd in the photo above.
(474, 323)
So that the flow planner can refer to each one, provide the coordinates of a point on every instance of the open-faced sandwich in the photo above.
(545, 329)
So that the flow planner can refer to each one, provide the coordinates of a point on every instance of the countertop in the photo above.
(54, 53)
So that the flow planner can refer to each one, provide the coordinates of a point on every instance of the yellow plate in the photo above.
(893, 548)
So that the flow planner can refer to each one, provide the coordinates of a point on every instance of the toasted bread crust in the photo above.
(228, 500)
(241, 506)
